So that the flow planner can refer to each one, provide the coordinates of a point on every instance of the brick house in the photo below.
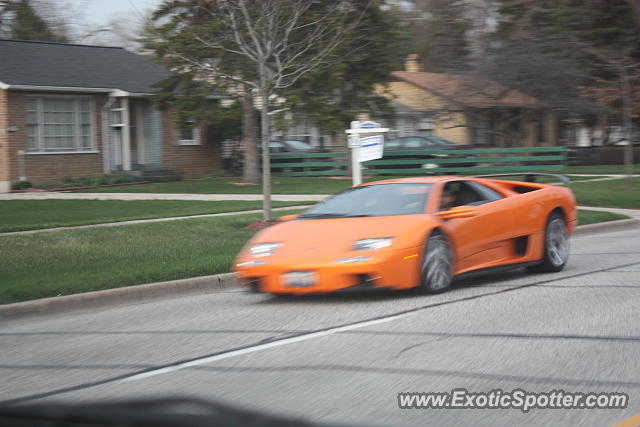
(82, 111)
(466, 109)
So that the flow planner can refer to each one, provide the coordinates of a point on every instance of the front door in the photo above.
(483, 239)
(134, 135)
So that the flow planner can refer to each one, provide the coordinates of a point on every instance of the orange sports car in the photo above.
(412, 233)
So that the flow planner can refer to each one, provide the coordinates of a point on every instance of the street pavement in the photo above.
(344, 358)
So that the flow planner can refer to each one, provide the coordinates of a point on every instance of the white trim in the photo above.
(104, 131)
(140, 136)
(195, 141)
(126, 136)
(118, 92)
(60, 88)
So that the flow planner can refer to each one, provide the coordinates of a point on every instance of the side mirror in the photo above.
(458, 212)
(288, 217)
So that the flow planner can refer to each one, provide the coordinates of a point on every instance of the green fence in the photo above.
(430, 162)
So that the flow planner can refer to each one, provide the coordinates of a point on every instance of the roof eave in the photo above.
(111, 91)
(57, 88)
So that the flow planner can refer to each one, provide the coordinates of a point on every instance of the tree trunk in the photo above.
(266, 161)
(250, 170)
(628, 127)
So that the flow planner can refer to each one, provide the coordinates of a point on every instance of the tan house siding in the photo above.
(550, 129)
(411, 96)
(447, 125)
(193, 161)
(468, 109)
(50, 168)
(452, 127)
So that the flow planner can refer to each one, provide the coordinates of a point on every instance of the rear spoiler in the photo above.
(529, 176)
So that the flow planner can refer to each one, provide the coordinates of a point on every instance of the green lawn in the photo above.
(16, 215)
(224, 185)
(612, 193)
(281, 185)
(592, 217)
(72, 261)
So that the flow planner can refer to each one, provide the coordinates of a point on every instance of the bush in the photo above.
(105, 180)
(67, 181)
(21, 185)
(119, 179)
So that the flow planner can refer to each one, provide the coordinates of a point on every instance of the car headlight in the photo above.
(264, 249)
(372, 244)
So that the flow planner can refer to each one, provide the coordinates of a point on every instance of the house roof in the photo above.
(71, 66)
(466, 90)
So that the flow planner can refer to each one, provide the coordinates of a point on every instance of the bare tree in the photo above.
(280, 40)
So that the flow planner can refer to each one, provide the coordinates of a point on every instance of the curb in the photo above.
(618, 225)
(117, 296)
(195, 285)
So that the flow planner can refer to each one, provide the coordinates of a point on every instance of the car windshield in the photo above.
(299, 145)
(373, 200)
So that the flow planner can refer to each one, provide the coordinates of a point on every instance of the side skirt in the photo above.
(496, 269)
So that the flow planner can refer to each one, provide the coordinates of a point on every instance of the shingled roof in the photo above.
(467, 90)
(44, 64)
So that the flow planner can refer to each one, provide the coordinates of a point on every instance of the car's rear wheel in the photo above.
(556, 245)
(436, 269)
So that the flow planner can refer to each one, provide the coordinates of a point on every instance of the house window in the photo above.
(63, 124)
(189, 133)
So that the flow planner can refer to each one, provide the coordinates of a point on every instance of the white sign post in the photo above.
(364, 149)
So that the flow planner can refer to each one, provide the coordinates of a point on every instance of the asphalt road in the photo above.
(343, 359)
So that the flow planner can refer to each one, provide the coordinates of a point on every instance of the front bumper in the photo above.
(397, 269)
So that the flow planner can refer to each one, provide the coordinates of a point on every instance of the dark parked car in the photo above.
(410, 143)
(291, 147)
(419, 143)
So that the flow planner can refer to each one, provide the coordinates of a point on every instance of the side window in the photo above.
(392, 144)
(461, 193)
(487, 193)
(276, 147)
(414, 143)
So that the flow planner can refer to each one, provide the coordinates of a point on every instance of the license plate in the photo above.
(299, 279)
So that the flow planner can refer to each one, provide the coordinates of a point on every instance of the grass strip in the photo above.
(611, 193)
(19, 215)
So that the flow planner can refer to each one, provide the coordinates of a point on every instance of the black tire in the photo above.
(436, 266)
(556, 245)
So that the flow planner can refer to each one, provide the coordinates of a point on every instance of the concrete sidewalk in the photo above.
(633, 213)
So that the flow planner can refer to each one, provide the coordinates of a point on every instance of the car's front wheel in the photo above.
(436, 269)
(556, 245)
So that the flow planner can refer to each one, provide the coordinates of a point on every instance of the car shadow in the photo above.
(493, 279)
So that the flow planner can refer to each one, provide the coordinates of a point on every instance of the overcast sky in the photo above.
(123, 17)
(100, 11)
